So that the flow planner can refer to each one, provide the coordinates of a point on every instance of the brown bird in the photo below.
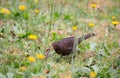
(67, 45)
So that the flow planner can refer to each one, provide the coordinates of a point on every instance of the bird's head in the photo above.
(55, 45)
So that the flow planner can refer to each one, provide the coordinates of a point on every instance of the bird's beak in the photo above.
(48, 51)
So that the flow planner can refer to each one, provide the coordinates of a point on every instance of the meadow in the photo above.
(29, 27)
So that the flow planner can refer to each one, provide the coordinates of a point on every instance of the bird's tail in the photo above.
(86, 37)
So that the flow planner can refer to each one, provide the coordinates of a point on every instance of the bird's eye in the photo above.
(57, 44)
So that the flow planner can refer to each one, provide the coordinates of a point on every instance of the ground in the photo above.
(28, 28)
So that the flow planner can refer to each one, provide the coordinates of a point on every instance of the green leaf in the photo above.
(90, 61)
(56, 15)
(26, 16)
(24, 35)
(10, 75)
(95, 68)
(67, 17)
(93, 46)
(17, 14)
(2, 76)
(27, 74)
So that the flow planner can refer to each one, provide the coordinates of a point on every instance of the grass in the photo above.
(54, 21)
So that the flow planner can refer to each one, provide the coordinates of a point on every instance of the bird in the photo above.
(66, 46)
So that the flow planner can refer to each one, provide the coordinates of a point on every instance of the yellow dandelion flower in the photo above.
(36, 1)
(22, 7)
(5, 11)
(74, 28)
(40, 56)
(93, 5)
(42, 77)
(93, 74)
(36, 11)
(115, 22)
(32, 37)
(31, 59)
(113, 17)
(23, 68)
(91, 24)
(69, 76)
